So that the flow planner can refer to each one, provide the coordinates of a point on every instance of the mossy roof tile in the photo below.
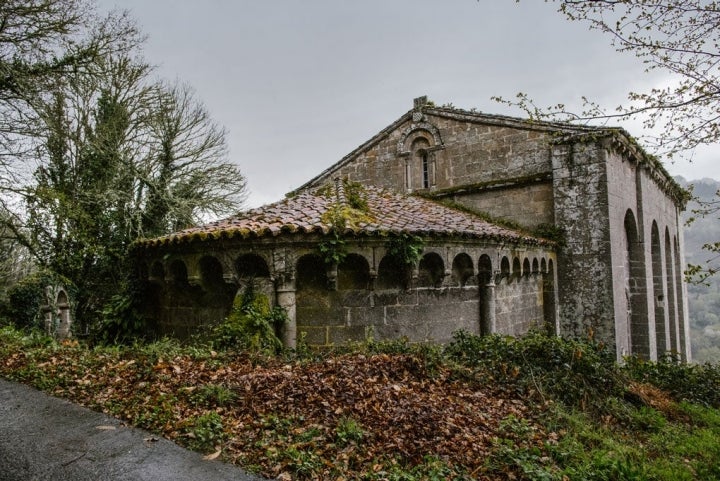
(387, 212)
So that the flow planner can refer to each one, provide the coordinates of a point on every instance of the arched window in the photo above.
(516, 271)
(462, 269)
(353, 273)
(211, 272)
(505, 267)
(392, 274)
(431, 270)
(251, 265)
(535, 268)
(178, 272)
(526, 267)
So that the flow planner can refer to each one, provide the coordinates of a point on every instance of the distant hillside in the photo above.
(704, 300)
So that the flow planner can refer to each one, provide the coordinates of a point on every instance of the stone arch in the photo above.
(526, 267)
(462, 269)
(679, 296)
(157, 272)
(425, 130)
(431, 270)
(251, 265)
(392, 274)
(535, 266)
(635, 289)
(217, 295)
(670, 286)
(417, 145)
(211, 272)
(62, 302)
(657, 277)
(516, 269)
(311, 273)
(505, 267)
(543, 266)
(178, 273)
(353, 273)
(485, 269)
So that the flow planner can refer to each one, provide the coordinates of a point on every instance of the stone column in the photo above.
(487, 303)
(285, 295)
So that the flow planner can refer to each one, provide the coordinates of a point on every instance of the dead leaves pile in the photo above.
(343, 417)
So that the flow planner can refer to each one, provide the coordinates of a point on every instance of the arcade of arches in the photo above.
(475, 287)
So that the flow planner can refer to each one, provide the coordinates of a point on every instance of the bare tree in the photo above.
(679, 38)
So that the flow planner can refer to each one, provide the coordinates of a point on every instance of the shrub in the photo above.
(696, 383)
(252, 324)
(571, 371)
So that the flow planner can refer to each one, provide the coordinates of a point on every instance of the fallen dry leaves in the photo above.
(295, 420)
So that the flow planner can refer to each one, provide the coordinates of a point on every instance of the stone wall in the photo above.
(455, 286)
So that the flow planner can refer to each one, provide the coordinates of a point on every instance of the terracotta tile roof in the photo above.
(386, 212)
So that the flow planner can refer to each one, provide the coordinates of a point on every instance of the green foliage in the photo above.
(347, 431)
(697, 383)
(551, 232)
(575, 372)
(26, 297)
(205, 432)
(405, 248)
(333, 248)
(252, 324)
(122, 321)
(212, 395)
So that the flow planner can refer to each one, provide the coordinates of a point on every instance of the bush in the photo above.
(252, 324)
(122, 321)
(574, 372)
(696, 383)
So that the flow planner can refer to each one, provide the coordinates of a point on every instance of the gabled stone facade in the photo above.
(620, 267)
(616, 275)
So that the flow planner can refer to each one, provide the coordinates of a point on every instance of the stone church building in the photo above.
(517, 224)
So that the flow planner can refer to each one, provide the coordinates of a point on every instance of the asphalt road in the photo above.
(44, 438)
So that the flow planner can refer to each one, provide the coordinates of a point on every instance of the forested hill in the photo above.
(704, 299)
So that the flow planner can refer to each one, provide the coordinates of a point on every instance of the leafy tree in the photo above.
(122, 157)
(94, 152)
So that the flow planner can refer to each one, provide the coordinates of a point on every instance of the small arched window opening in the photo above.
(392, 274)
(178, 272)
(516, 270)
(505, 267)
(535, 268)
(543, 266)
(211, 272)
(431, 270)
(251, 265)
(485, 268)
(353, 273)
(526, 267)
(311, 273)
(462, 269)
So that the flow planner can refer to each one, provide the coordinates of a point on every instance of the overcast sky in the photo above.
(300, 83)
